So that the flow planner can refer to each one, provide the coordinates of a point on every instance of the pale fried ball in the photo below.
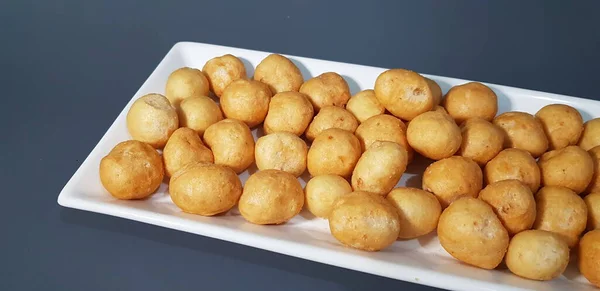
(185, 83)
(281, 151)
(331, 117)
(131, 170)
(523, 131)
(198, 113)
(152, 119)
(184, 147)
(364, 221)
(537, 255)
(246, 100)
(594, 185)
(514, 164)
(221, 71)
(452, 178)
(481, 140)
(593, 204)
(232, 144)
(334, 151)
(327, 89)
(380, 167)
(290, 112)
(590, 137)
(383, 127)
(471, 100)
(364, 105)
(470, 231)
(589, 257)
(279, 73)
(322, 191)
(418, 210)
(561, 211)
(571, 167)
(513, 203)
(271, 197)
(563, 125)
(434, 135)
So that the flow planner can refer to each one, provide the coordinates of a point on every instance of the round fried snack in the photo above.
(481, 140)
(419, 211)
(593, 205)
(434, 135)
(205, 189)
(221, 71)
(570, 167)
(322, 191)
(523, 131)
(198, 113)
(452, 178)
(327, 89)
(470, 231)
(383, 127)
(331, 117)
(246, 100)
(406, 94)
(279, 73)
(594, 185)
(590, 137)
(589, 257)
(364, 105)
(380, 167)
(281, 151)
(561, 211)
(563, 125)
(271, 197)
(471, 100)
(152, 119)
(364, 221)
(334, 151)
(184, 147)
(232, 144)
(514, 164)
(290, 112)
(537, 255)
(131, 170)
(512, 202)
(185, 83)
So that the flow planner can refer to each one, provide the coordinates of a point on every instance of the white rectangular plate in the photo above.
(421, 261)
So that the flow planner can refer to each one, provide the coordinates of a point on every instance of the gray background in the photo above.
(69, 67)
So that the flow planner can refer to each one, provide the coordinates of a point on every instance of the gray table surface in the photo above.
(69, 67)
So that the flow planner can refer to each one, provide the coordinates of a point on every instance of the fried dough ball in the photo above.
(419, 211)
(184, 147)
(322, 191)
(434, 135)
(334, 151)
(364, 221)
(365, 105)
(380, 167)
(383, 127)
(281, 151)
(593, 204)
(185, 83)
(331, 117)
(131, 170)
(221, 71)
(470, 231)
(537, 255)
(152, 119)
(327, 89)
(594, 185)
(246, 100)
(452, 178)
(279, 73)
(514, 164)
(561, 211)
(589, 257)
(198, 113)
(481, 140)
(290, 112)
(471, 100)
(232, 144)
(271, 197)
(523, 131)
(590, 137)
(512, 202)
(571, 167)
(205, 189)
(563, 125)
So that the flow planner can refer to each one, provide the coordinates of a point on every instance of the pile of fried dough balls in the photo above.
(517, 187)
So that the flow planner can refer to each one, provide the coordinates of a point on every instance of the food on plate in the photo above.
(561, 211)
(571, 167)
(471, 100)
(563, 125)
(365, 105)
(592, 201)
(481, 140)
(589, 257)
(590, 137)
(205, 189)
(185, 83)
(380, 167)
(327, 89)
(537, 255)
(364, 221)
(247, 101)
(594, 185)
(383, 127)
(231, 143)
(513, 203)
(279, 73)
(271, 197)
(514, 164)
(221, 71)
(152, 119)
(198, 113)
(470, 231)
(434, 135)
(184, 147)
(289, 111)
(322, 191)
(523, 131)
(452, 178)
(418, 210)
(131, 170)
(334, 151)
(281, 151)
(331, 117)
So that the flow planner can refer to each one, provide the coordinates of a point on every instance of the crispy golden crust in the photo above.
(434, 135)
(290, 112)
(512, 202)
(232, 144)
(185, 83)
(419, 211)
(514, 164)
(281, 151)
(570, 167)
(334, 151)
(383, 127)
(364, 105)
(221, 71)
(590, 137)
(452, 178)
(327, 89)
(279, 73)
(331, 117)
(246, 100)
(198, 113)
(379, 168)
(481, 140)
(563, 125)
(523, 131)
(184, 147)
(471, 100)
(537, 255)
(589, 257)
(322, 191)
(152, 119)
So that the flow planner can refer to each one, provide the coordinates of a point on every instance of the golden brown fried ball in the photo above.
(185, 83)
(537, 255)
(152, 119)
(561, 211)
(523, 131)
(418, 210)
(594, 185)
(452, 178)
(380, 167)
(279, 73)
(571, 167)
(383, 127)
(221, 71)
(331, 117)
(131, 170)
(365, 105)
(434, 135)
(232, 144)
(184, 147)
(481, 140)
(290, 112)
(563, 125)
(593, 205)
(246, 100)
(471, 100)
(322, 191)
(514, 164)
(281, 151)
(334, 151)
(512, 202)
(590, 137)
(327, 89)
(589, 257)
(198, 113)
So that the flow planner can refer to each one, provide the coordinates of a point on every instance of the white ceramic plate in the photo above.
(421, 261)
